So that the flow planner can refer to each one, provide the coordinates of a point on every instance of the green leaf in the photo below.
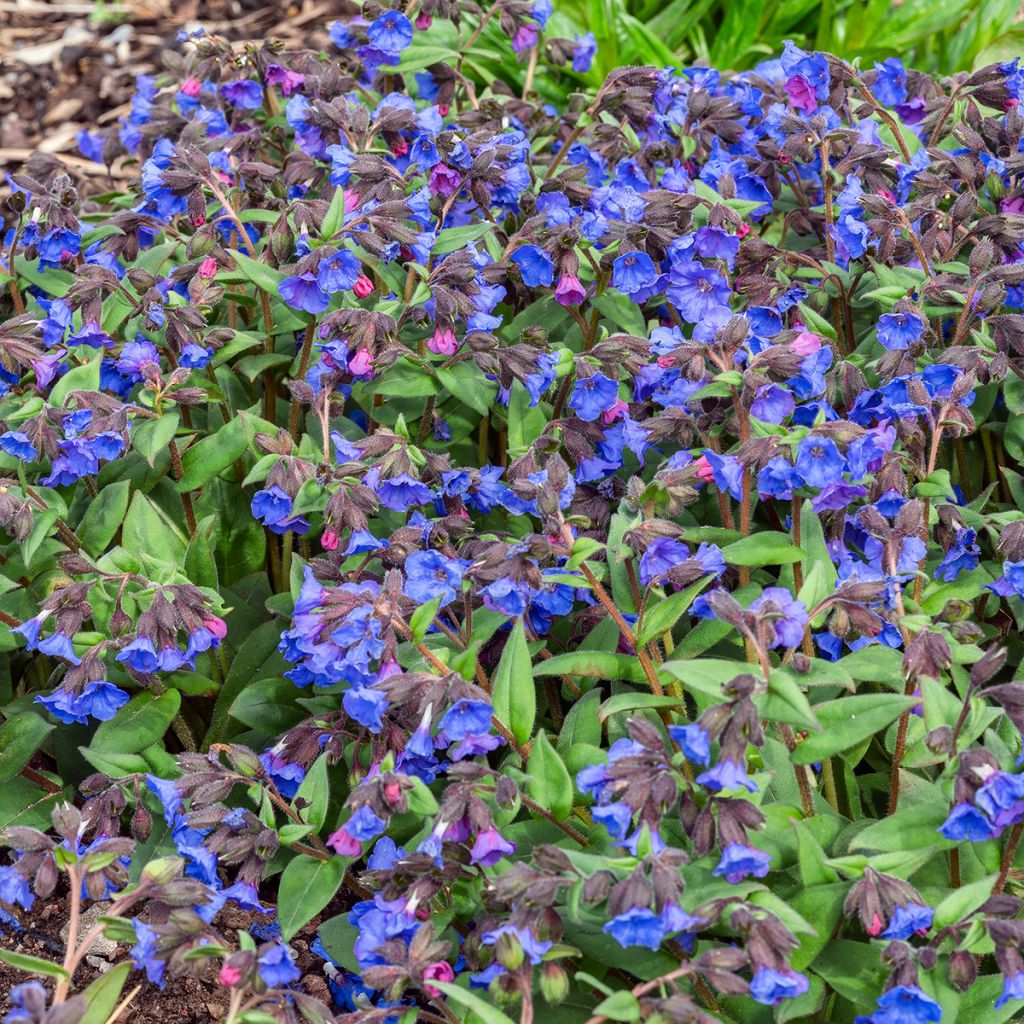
(848, 721)
(306, 887)
(763, 549)
(80, 378)
(335, 215)
(147, 528)
(786, 702)
(265, 278)
(33, 964)
(420, 620)
(963, 901)
(633, 702)
(466, 381)
(20, 737)
(512, 689)
(487, 1012)
(211, 456)
(141, 722)
(200, 562)
(102, 995)
(816, 322)
(339, 938)
(103, 517)
(660, 617)
(150, 437)
(581, 724)
(316, 791)
(621, 1005)
(593, 665)
(548, 784)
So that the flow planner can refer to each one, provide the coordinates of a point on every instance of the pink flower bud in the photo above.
(666, 362)
(208, 268)
(191, 86)
(392, 792)
(343, 844)
(443, 108)
(217, 626)
(441, 970)
(423, 21)
(705, 474)
(329, 541)
(613, 412)
(806, 343)
(877, 924)
(744, 230)
(361, 363)
(230, 975)
(443, 342)
(352, 200)
(569, 291)
(400, 148)
(362, 287)
(198, 220)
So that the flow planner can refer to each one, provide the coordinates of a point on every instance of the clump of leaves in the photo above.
(515, 536)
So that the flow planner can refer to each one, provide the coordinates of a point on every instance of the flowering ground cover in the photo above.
(561, 564)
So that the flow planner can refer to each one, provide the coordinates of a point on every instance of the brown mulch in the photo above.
(66, 65)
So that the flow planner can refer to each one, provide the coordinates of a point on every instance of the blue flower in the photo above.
(890, 88)
(466, 717)
(727, 774)
(365, 705)
(400, 492)
(303, 291)
(638, 926)
(819, 462)
(276, 966)
(273, 507)
(592, 396)
(633, 271)
(140, 655)
(364, 824)
(99, 699)
(1013, 988)
(584, 53)
(965, 821)
(788, 616)
(143, 953)
(243, 93)
(662, 554)
(898, 331)
(739, 860)
(962, 555)
(906, 1004)
(391, 32)
(696, 290)
(534, 265)
(428, 574)
(18, 444)
(772, 403)
(339, 271)
(693, 741)
(908, 920)
(771, 987)
(14, 889)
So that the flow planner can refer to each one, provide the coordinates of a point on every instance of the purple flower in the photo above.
(638, 926)
(819, 462)
(534, 265)
(771, 987)
(490, 847)
(696, 290)
(965, 821)
(906, 1004)
(569, 291)
(787, 615)
(584, 53)
(391, 32)
(898, 331)
(908, 920)
(592, 396)
(1013, 988)
(633, 272)
(772, 403)
(243, 93)
(662, 554)
(693, 741)
(428, 574)
(304, 292)
(727, 774)
(276, 966)
(739, 861)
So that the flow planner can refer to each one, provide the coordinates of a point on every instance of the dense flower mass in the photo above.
(574, 555)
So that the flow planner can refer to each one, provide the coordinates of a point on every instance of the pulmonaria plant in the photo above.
(571, 561)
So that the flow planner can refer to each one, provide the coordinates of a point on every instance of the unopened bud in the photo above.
(554, 983)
